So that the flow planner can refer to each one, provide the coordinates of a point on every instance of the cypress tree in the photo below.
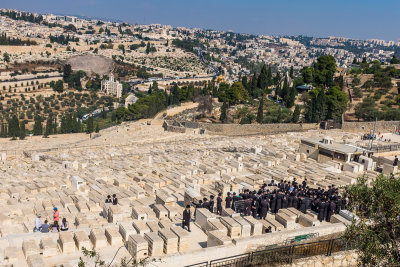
(296, 114)
(291, 97)
(38, 127)
(49, 126)
(320, 106)
(22, 130)
(13, 127)
(90, 126)
(3, 130)
(262, 82)
(97, 128)
(260, 112)
(224, 108)
(285, 89)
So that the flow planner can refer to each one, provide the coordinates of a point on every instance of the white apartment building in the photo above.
(111, 87)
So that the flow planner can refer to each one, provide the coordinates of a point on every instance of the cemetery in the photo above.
(154, 175)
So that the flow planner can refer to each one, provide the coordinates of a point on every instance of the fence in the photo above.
(279, 255)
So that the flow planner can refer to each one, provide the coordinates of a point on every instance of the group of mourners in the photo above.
(275, 196)
(55, 227)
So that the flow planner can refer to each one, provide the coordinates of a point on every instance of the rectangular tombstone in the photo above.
(165, 223)
(67, 243)
(82, 240)
(164, 199)
(217, 238)
(295, 211)
(126, 229)
(160, 211)
(337, 218)
(29, 247)
(183, 238)
(215, 224)
(49, 247)
(256, 226)
(98, 238)
(265, 225)
(140, 227)
(245, 225)
(170, 241)
(348, 215)
(173, 212)
(308, 221)
(202, 216)
(35, 261)
(115, 214)
(234, 228)
(289, 213)
(113, 236)
(229, 212)
(285, 220)
(156, 244)
(82, 207)
(278, 226)
(153, 226)
(138, 247)
(139, 213)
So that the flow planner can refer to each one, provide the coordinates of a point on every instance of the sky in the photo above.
(358, 19)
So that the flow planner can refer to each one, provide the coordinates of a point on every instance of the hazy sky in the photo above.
(360, 19)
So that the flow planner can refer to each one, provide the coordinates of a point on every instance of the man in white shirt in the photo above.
(38, 223)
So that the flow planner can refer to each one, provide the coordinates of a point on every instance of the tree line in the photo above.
(4, 40)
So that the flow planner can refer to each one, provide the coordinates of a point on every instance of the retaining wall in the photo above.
(381, 126)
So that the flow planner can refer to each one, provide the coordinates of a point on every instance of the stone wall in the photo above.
(345, 258)
(248, 129)
(364, 127)
(248, 244)
(239, 129)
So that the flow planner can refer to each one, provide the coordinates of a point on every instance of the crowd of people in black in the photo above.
(275, 196)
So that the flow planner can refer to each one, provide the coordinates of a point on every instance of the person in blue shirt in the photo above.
(45, 227)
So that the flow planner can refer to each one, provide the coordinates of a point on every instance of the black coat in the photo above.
(295, 202)
(247, 206)
(326, 209)
(321, 207)
(303, 206)
(211, 206)
(219, 202)
(273, 203)
(290, 201)
(264, 208)
(228, 201)
(278, 202)
(186, 216)
(284, 203)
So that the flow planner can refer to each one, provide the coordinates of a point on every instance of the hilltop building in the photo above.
(111, 87)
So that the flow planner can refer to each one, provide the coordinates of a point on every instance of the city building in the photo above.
(111, 87)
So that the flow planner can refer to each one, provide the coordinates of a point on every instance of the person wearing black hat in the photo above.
(115, 199)
(228, 201)
(205, 204)
(219, 204)
(186, 218)
(264, 208)
(211, 204)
